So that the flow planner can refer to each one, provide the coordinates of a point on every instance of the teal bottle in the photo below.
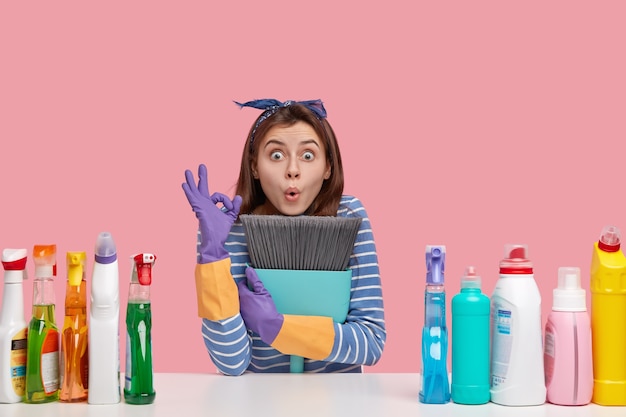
(470, 342)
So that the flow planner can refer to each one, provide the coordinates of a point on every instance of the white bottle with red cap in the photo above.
(13, 328)
(517, 372)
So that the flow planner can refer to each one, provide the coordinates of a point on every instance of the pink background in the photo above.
(469, 124)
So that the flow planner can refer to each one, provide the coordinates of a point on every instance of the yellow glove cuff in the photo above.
(218, 296)
(307, 336)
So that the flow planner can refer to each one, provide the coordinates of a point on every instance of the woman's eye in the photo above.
(308, 156)
(276, 156)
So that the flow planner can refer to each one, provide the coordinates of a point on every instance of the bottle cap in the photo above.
(45, 258)
(609, 239)
(75, 267)
(14, 260)
(516, 260)
(569, 296)
(105, 251)
(470, 279)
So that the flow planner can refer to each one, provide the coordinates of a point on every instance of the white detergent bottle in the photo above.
(517, 372)
(104, 350)
(13, 328)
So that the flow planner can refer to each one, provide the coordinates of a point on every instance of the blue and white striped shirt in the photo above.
(359, 341)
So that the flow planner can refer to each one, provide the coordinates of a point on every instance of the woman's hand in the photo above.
(257, 308)
(215, 222)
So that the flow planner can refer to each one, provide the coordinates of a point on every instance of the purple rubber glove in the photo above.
(215, 222)
(258, 309)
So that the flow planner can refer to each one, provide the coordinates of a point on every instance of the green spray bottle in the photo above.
(470, 342)
(138, 380)
(42, 362)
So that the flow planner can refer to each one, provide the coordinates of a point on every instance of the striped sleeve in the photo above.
(227, 341)
(360, 340)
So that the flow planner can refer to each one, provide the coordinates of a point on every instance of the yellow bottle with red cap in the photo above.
(608, 312)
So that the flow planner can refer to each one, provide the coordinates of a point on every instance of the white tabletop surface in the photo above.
(253, 395)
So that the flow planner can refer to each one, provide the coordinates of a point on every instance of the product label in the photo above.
(18, 362)
(50, 362)
(502, 320)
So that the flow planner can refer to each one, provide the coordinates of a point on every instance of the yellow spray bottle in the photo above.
(608, 311)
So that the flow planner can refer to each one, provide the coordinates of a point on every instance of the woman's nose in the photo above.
(293, 170)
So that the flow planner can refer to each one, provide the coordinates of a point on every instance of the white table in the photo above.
(252, 395)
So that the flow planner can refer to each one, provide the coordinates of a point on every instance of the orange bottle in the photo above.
(74, 352)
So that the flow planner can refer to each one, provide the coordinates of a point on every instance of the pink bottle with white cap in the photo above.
(567, 349)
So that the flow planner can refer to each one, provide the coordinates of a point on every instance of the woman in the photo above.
(291, 165)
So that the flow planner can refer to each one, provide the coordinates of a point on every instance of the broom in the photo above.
(302, 262)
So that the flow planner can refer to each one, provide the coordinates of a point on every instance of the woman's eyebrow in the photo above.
(279, 142)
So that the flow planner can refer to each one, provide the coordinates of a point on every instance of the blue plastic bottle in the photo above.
(435, 385)
(470, 342)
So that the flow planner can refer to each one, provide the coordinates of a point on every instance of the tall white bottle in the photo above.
(517, 372)
(104, 314)
(13, 328)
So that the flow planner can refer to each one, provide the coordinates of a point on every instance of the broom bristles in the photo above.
(301, 242)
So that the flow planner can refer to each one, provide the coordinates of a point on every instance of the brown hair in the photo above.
(327, 201)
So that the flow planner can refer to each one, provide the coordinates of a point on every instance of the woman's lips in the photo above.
(292, 195)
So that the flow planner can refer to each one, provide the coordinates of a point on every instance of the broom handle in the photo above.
(296, 364)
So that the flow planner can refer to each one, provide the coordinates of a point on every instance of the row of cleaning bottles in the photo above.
(39, 364)
(499, 350)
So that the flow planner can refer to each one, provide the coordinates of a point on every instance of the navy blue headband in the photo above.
(271, 105)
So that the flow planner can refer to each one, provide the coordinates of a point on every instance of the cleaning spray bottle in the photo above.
(470, 342)
(567, 348)
(517, 375)
(13, 328)
(42, 365)
(104, 316)
(435, 385)
(608, 313)
(138, 386)
(74, 352)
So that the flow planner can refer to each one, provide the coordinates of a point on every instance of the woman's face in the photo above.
(291, 167)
